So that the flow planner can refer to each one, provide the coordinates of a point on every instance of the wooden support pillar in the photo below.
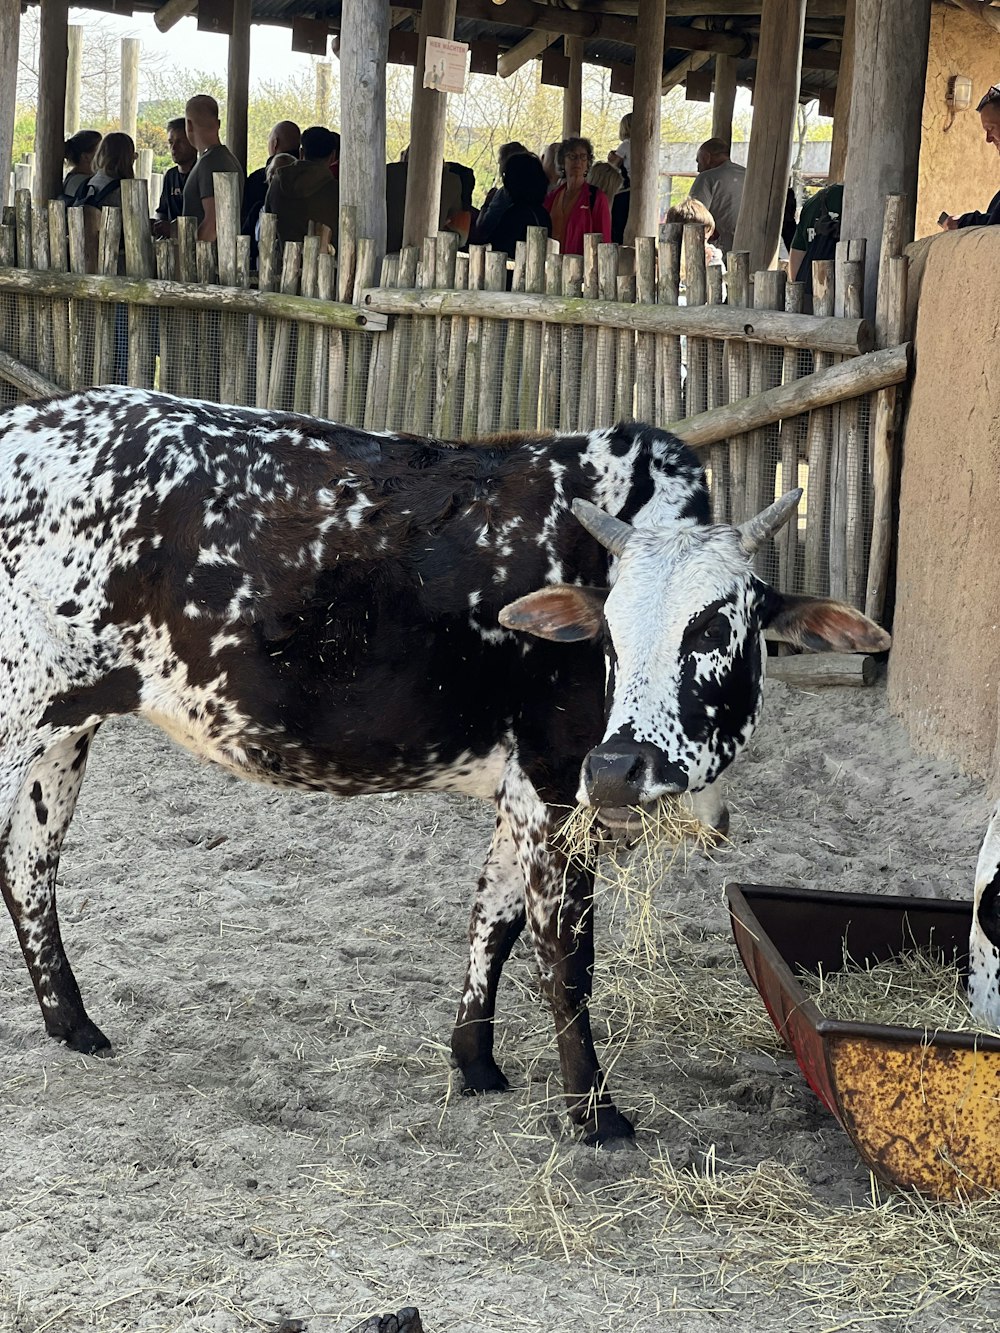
(887, 96)
(643, 213)
(723, 97)
(74, 77)
(324, 82)
(10, 32)
(53, 53)
(364, 46)
(238, 83)
(427, 126)
(769, 160)
(842, 106)
(572, 121)
(129, 104)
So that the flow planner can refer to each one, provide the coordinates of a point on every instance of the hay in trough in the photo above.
(917, 989)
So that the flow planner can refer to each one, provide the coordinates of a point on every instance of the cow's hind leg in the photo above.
(497, 920)
(560, 917)
(29, 858)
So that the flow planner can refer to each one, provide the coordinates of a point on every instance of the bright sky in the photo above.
(271, 54)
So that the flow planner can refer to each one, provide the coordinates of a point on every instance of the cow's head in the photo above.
(682, 625)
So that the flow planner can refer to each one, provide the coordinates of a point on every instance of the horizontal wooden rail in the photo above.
(187, 296)
(843, 337)
(850, 379)
(24, 378)
(806, 671)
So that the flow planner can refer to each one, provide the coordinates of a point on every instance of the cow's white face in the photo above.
(682, 627)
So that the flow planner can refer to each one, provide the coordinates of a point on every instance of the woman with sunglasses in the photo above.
(989, 115)
(575, 206)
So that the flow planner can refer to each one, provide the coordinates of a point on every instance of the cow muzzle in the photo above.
(617, 778)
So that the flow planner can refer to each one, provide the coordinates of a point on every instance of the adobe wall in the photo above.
(944, 666)
(958, 170)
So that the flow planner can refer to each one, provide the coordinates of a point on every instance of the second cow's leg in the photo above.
(561, 920)
(29, 858)
(497, 920)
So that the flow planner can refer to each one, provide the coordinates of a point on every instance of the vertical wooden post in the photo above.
(49, 137)
(572, 120)
(842, 106)
(129, 112)
(364, 46)
(723, 97)
(238, 84)
(428, 110)
(324, 81)
(887, 94)
(74, 75)
(10, 32)
(769, 161)
(643, 213)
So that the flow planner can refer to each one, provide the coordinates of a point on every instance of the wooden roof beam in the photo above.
(707, 8)
(172, 12)
(982, 11)
(615, 28)
(684, 67)
(533, 45)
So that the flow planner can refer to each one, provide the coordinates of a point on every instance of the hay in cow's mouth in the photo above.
(662, 826)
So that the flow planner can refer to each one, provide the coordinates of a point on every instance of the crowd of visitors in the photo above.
(563, 189)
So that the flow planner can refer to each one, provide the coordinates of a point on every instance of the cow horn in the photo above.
(755, 531)
(611, 532)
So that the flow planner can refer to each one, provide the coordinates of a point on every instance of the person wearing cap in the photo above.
(989, 116)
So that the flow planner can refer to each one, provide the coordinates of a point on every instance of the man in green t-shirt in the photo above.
(201, 117)
(829, 200)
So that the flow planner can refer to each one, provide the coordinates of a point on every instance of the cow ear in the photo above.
(821, 625)
(562, 613)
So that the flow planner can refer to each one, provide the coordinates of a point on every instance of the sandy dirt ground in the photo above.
(278, 1132)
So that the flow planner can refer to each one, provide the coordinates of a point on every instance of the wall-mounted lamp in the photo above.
(959, 94)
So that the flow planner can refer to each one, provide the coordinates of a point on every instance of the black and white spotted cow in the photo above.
(312, 606)
(984, 939)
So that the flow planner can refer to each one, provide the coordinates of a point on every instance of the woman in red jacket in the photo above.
(574, 206)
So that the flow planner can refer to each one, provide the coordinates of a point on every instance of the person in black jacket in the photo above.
(526, 184)
(171, 204)
(989, 116)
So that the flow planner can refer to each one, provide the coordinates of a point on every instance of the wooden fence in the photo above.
(434, 342)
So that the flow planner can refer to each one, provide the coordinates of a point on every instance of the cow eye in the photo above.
(712, 634)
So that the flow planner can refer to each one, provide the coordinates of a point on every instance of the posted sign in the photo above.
(444, 65)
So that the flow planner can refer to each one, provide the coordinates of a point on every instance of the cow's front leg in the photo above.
(29, 859)
(984, 938)
(560, 917)
(497, 920)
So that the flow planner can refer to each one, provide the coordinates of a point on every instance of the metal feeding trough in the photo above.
(921, 1107)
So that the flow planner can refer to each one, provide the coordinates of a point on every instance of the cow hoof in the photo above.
(86, 1037)
(483, 1076)
(612, 1132)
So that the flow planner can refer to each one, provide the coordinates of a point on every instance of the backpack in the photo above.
(70, 197)
(826, 234)
(92, 198)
